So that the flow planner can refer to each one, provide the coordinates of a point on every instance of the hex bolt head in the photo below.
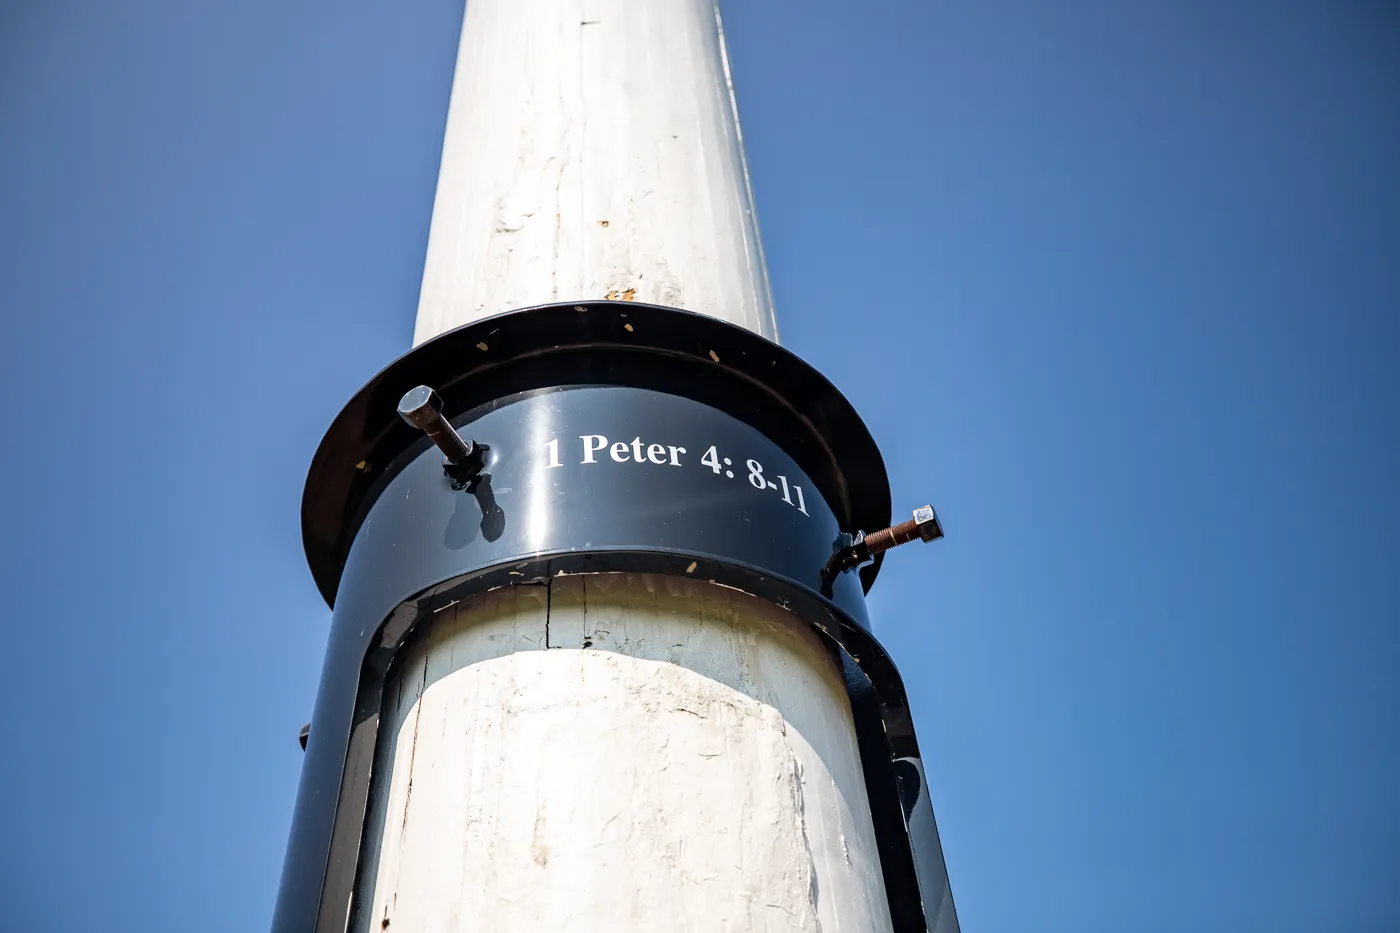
(422, 408)
(926, 521)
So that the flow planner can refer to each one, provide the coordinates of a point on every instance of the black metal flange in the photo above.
(592, 343)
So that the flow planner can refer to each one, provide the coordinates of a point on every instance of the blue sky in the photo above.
(1115, 285)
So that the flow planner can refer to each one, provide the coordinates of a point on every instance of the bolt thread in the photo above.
(447, 440)
(886, 538)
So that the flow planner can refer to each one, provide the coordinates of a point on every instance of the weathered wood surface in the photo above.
(593, 150)
(681, 757)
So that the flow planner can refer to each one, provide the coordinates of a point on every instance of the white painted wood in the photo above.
(693, 768)
(593, 150)
(610, 753)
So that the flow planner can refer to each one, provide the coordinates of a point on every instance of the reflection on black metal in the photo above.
(605, 437)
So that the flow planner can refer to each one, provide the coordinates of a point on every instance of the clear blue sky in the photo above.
(1116, 285)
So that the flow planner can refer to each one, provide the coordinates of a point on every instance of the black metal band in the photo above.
(324, 850)
(593, 343)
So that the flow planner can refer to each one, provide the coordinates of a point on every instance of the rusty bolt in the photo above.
(923, 526)
(422, 408)
(850, 551)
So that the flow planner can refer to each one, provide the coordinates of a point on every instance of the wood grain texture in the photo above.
(592, 150)
(681, 758)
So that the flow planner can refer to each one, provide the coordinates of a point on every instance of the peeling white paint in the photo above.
(592, 148)
(693, 769)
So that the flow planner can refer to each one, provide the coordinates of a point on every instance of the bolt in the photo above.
(850, 551)
(422, 408)
(923, 526)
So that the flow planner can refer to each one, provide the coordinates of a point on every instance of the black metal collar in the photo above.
(592, 343)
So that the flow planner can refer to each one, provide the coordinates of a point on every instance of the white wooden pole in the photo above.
(619, 753)
(593, 150)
